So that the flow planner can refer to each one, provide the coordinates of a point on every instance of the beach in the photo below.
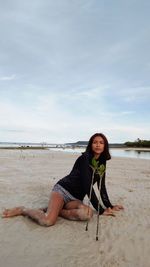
(26, 179)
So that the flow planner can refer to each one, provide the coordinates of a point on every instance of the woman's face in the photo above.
(98, 146)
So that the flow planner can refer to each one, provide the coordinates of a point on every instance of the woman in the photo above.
(66, 199)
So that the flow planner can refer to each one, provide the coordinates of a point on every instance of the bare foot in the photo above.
(12, 212)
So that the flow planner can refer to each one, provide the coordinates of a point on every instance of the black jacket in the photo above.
(78, 182)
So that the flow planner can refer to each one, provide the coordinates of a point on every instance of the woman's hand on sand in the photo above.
(117, 208)
(109, 212)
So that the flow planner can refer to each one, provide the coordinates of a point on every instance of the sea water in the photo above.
(113, 151)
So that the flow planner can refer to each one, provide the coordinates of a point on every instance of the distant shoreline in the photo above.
(24, 147)
(145, 149)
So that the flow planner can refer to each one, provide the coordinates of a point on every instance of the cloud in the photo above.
(8, 78)
(135, 94)
(91, 92)
(59, 117)
(82, 67)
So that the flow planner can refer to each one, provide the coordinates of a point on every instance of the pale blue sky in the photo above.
(70, 68)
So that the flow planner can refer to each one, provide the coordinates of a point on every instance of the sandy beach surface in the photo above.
(26, 178)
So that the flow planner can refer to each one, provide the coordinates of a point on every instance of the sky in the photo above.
(71, 68)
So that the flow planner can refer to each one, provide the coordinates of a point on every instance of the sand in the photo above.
(26, 178)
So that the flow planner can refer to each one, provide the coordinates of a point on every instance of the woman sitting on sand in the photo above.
(66, 199)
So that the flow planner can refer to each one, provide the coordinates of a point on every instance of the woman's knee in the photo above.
(88, 211)
(85, 213)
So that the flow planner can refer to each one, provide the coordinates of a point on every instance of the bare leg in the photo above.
(49, 218)
(76, 210)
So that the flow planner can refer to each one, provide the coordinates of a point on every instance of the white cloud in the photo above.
(48, 118)
(136, 94)
(92, 92)
(128, 94)
(8, 78)
(86, 66)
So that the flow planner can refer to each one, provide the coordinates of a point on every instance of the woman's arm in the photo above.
(104, 194)
(86, 180)
(105, 197)
(94, 202)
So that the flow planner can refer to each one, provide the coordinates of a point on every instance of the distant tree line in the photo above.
(138, 143)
